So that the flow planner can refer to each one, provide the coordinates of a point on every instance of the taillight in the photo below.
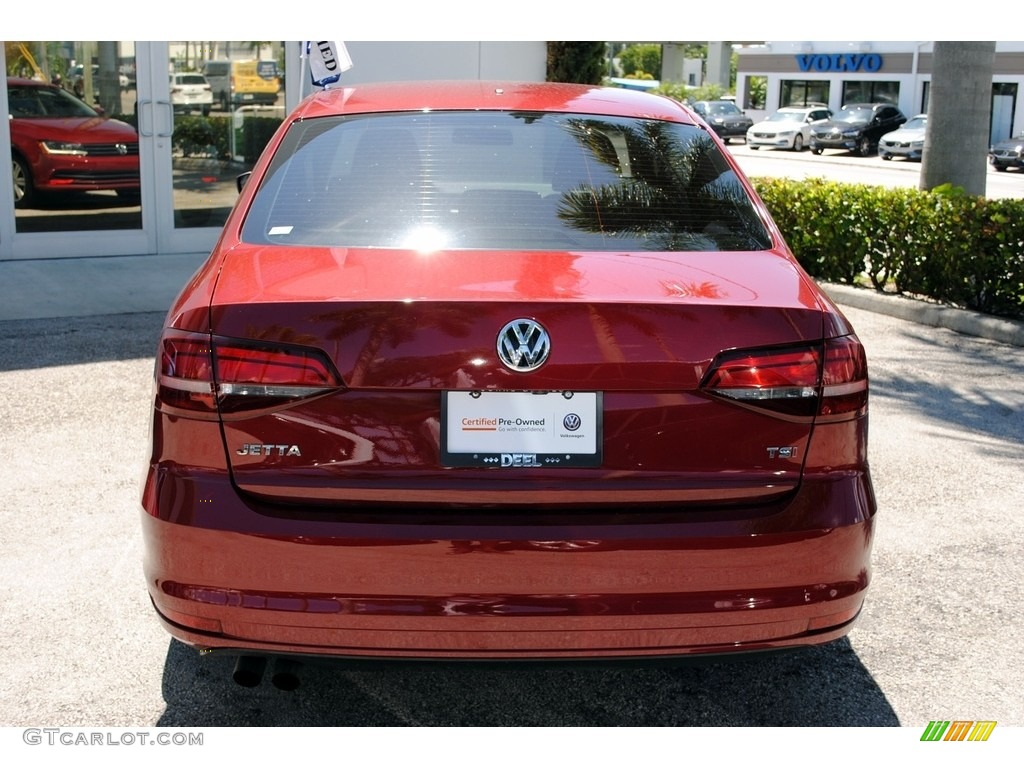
(844, 380)
(203, 374)
(184, 375)
(826, 380)
(257, 376)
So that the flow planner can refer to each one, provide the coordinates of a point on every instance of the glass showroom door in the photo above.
(210, 108)
(124, 147)
(75, 155)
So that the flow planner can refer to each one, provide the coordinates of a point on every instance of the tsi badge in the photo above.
(519, 460)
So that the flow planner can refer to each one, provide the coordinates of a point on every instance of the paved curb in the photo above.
(923, 312)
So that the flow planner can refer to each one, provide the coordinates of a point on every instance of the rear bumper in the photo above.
(264, 99)
(596, 589)
(191, 102)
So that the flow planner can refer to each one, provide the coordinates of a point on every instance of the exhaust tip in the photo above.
(285, 676)
(249, 670)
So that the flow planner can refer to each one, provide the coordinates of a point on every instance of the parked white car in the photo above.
(787, 128)
(190, 91)
(907, 141)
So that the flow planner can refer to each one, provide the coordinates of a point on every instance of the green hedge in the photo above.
(955, 248)
(195, 135)
(210, 136)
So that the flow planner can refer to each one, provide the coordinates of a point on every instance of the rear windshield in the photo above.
(496, 180)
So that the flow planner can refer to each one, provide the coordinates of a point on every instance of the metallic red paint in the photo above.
(695, 535)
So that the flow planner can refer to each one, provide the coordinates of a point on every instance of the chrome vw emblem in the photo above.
(122, 149)
(523, 345)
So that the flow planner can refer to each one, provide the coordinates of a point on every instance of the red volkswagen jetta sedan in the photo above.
(61, 145)
(504, 371)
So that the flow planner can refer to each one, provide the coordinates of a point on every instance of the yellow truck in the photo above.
(237, 83)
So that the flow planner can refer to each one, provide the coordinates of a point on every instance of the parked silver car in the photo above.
(907, 141)
(787, 128)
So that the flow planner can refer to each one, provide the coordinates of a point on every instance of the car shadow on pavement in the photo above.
(30, 344)
(825, 686)
(984, 401)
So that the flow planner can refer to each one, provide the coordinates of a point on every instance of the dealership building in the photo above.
(837, 73)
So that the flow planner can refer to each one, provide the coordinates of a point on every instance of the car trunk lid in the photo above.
(408, 334)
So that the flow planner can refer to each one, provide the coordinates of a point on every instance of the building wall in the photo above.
(676, 68)
(381, 61)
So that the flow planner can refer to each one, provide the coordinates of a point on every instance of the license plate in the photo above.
(521, 429)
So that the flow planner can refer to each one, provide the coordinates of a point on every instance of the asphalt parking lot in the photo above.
(937, 639)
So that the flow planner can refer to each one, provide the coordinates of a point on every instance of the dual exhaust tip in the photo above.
(249, 671)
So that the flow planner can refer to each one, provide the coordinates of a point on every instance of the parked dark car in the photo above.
(725, 119)
(60, 144)
(1008, 153)
(856, 128)
(503, 371)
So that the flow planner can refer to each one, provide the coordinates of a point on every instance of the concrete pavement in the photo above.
(112, 285)
(37, 289)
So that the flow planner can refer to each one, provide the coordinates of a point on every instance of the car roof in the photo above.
(491, 95)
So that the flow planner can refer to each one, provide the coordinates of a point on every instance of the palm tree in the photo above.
(959, 107)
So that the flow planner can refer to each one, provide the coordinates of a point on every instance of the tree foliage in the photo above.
(641, 57)
(576, 62)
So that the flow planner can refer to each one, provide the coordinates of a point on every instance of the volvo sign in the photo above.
(839, 62)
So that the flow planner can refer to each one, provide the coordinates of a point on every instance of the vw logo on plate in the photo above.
(572, 422)
(523, 345)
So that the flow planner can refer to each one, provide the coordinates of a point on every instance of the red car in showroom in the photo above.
(500, 371)
(59, 144)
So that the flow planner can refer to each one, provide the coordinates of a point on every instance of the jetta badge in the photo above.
(523, 345)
